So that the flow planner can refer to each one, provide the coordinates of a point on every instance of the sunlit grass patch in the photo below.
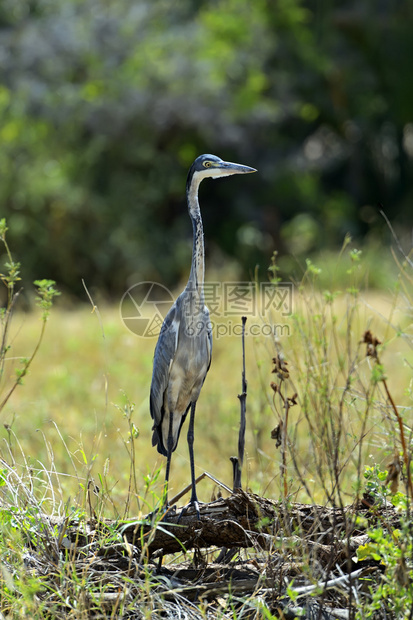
(324, 420)
(73, 397)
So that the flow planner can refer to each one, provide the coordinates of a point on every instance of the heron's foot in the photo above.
(193, 504)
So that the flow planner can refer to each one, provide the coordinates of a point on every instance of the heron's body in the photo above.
(177, 380)
(183, 352)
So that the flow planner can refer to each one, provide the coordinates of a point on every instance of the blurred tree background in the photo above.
(104, 104)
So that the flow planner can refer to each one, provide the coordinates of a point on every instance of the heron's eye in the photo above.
(207, 164)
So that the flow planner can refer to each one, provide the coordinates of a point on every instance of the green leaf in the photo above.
(368, 551)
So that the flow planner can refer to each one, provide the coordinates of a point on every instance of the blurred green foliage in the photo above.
(105, 103)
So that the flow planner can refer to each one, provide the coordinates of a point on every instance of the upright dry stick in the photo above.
(238, 462)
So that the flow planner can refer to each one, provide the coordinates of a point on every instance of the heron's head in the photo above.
(211, 166)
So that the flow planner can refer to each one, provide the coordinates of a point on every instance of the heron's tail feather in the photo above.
(157, 441)
(157, 438)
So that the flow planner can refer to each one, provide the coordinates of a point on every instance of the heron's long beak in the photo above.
(231, 168)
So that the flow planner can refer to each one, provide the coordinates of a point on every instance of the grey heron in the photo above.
(183, 352)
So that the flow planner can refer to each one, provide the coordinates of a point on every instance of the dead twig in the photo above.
(238, 462)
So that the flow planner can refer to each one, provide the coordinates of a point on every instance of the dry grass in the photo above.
(72, 425)
(72, 400)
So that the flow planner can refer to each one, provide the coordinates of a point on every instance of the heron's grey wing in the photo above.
(164, 354)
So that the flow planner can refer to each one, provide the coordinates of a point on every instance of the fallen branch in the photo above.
(247, 520)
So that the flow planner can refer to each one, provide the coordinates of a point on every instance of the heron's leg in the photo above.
(194, 499)
(168, 457)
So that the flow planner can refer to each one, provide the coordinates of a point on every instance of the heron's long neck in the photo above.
(196, 277)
